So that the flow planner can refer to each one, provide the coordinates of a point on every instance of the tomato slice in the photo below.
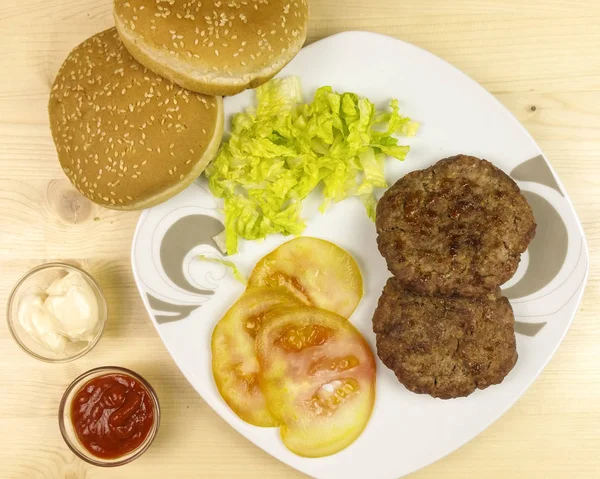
(318, 375)
(234, 363)
(318, 272)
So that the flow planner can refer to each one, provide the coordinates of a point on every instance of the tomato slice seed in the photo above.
(297, 338)
(333, 364)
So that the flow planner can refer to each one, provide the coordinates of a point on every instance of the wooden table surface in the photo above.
(540, 58)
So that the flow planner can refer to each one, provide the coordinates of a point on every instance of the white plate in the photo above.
(185, 298)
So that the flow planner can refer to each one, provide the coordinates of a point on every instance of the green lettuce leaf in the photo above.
(282, 149)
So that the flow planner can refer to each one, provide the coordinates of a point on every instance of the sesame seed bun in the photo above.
(127, 138)
(216, 47)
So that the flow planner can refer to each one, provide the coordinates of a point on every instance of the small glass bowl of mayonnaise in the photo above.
(56, 312)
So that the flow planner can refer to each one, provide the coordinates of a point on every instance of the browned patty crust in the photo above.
(457, 227)
(445, 346)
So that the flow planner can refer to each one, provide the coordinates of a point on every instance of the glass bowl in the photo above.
(68, 431)
(36, 281)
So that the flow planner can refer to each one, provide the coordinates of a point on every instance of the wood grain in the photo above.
(539, 57)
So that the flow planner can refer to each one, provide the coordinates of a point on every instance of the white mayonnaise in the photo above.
(67, 311)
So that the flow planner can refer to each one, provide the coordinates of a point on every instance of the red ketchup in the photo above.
(112, 415)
